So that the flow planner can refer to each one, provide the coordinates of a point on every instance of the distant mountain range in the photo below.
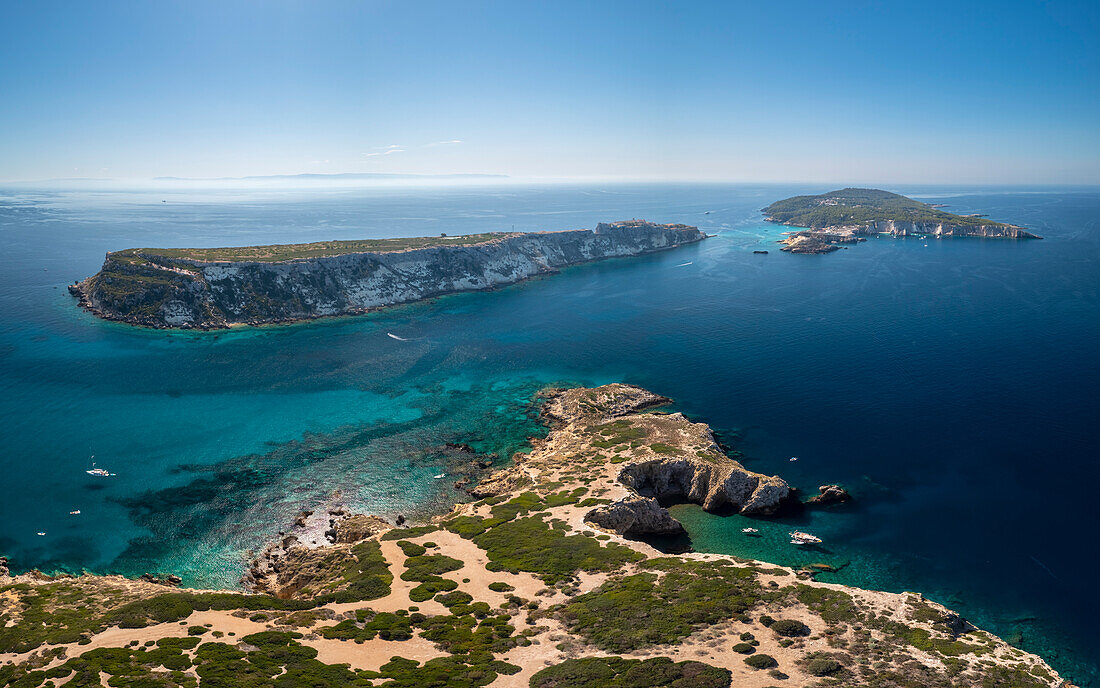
(341, 175)
(308, 177)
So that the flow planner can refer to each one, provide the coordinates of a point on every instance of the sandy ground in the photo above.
(372, 654)
(553, 644)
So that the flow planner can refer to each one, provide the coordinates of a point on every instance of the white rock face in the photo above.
(712, 485)
(208, 294)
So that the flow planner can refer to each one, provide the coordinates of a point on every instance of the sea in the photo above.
(952, 386)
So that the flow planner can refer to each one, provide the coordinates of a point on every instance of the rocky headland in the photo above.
(849, 216)
(539, 583)
(256, 285)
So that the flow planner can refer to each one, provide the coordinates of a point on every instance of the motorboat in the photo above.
(800, 538)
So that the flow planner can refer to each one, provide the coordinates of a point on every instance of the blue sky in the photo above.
(984, 92)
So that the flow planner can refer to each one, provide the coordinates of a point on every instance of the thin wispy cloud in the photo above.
(388, 150)
(443, 143)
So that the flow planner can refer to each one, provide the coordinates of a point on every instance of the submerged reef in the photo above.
(538, 583)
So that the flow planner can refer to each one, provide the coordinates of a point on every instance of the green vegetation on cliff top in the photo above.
(275, 253)
(861, 206)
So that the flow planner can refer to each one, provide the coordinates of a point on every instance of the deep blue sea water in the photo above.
(951, 385)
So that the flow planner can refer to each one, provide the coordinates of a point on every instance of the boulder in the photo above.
(354, 528)
(634, 516)
(829, 494)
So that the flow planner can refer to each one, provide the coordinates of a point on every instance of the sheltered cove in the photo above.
(535, 584)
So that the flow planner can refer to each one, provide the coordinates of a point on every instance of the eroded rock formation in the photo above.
(634, 516)
(170, 289)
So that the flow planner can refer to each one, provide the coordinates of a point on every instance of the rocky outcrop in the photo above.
(509, 480)
(992, 230)
(634, 516)
(828, 239)
(713, 485)
(301, 555)
(170, 290)
(663, 456)
(829, 494)
(562, 406)
(171, 581)
(808, 242)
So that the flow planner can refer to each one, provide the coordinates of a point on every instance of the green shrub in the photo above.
(617, 672)
(744, 648)
(368, 576)
(451, 599)
(498, 586)
(832, 606)
(424, 567)
(530, 544)
(823, 666)
(761, 661)
(632, 612)
(411, 549)
(428, 589)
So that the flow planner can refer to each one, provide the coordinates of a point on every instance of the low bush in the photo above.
(617, 672)
(632, 612)
(761, 661)
(823, 666)
(790, 628)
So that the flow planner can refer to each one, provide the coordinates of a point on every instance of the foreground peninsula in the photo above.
(538, 584)
(221, 287)
(849, 215)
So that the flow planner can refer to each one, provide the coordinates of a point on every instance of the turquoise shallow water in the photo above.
(951, 386)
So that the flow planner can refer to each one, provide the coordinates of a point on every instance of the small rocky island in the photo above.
(540, 583)
(848, 216)
(216, 288)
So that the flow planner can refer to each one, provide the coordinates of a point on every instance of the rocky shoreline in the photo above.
(829, 239)
(169, 288)
(533, 585)
(835, 219)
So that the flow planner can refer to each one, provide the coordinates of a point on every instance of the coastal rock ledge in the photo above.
(540, 585)
(256, 285)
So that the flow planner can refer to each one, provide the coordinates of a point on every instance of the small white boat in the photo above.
(749, 531)
(441, 475)
(393, 336)
(683, 264)
(75, 513)
(98, 471)
(794, 458)
(800, 538)
(42, 533)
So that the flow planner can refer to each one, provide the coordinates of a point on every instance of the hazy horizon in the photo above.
(936, 93)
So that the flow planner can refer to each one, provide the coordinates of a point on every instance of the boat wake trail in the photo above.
(1045, 568)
